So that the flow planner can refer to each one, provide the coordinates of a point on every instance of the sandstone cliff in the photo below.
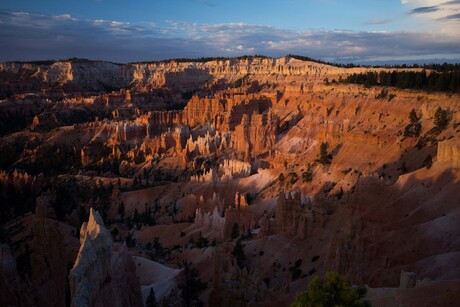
(378, 205)
(449, 151)
(86, 76)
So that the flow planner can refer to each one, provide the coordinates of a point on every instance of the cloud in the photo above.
(32, 36)
(63, 17)
(378, 21)
(424, 9)
(452, 17)
(441, 12)
(424, 2)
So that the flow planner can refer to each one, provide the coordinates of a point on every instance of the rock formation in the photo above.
(256, 134)
(179, 139)
(407, 280)
(293, 216)
(222, 225)
(232, 285)
(265, 225)
(449, 151)
(48, 260)
(40, 276)
(102, 276)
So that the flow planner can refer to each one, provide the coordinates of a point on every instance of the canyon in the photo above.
(249, 176)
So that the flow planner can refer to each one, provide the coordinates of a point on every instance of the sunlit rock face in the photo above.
(96, 75)
(449, 151)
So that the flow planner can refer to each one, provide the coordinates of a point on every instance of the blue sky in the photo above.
(333, 30)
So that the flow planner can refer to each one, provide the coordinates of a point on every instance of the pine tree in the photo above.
(413, 116)
(192, 287)
(323, 156)
(440, 119)
(281, 177)
(121, 210)
(238, 253)
(235, 231)
(151, 300)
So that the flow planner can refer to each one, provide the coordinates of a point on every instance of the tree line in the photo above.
(434, 81)
(444, 67)
(202, 59)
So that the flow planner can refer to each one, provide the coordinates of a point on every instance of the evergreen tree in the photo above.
(413, 116)
(115, 233)
(147, 217)
(323, 156)
(440, 119)
(436, 81)
(151, 300)
(137, 218)
(414, 127)
(235, 231)
(157, 246)
(238, 254)
(192, 286)
(121, 210)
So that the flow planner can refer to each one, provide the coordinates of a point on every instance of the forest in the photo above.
(445, 81)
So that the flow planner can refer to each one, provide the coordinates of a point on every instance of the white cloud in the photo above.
(64, 17)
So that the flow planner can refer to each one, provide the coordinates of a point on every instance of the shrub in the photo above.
(281, 177)
(294, 177)
(403, 168)
(428, 162)
(202, 242)
(307, 176)
(413, 130)
(383, 94)
(333, 290)
(339, 194)
(314, 258)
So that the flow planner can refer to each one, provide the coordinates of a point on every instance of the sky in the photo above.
(345, 31)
